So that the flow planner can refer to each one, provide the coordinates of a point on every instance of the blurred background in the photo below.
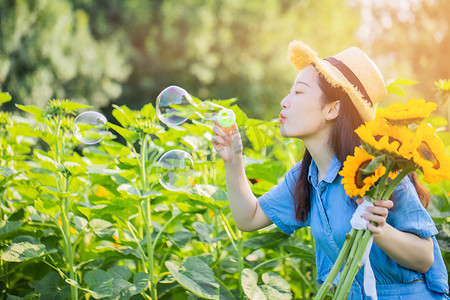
(102, 52)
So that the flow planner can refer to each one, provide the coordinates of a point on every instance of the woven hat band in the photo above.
(351, 77)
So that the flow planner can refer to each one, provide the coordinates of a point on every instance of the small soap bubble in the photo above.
(90, 127)
(174, 105)
(176, 170)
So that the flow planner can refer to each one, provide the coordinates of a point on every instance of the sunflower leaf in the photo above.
(374, 164)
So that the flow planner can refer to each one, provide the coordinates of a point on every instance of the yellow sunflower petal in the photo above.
(386, 137)
(355, 182)
(414, 111)
(430, 155)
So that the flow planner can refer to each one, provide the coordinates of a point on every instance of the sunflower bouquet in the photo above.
(398, 141)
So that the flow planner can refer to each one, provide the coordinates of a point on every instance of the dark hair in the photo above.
(343, 141)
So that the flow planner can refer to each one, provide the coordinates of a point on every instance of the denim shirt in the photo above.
(329, 218)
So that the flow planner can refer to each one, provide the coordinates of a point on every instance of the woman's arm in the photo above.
(245, 208)
(407, 249)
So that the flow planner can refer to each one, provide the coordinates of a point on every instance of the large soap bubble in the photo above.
(176, 170)
(174, 106)
(90, 127)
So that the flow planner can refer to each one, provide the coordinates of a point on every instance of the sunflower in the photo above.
(429, 154)
(412, 112)
(386, 137)
(354, 180)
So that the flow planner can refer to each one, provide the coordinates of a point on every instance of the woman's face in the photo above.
(303, 114)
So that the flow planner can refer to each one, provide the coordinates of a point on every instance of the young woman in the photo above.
(329, 99)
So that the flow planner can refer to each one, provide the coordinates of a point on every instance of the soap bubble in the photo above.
(90, 127)
(176, 170)
(174, 105)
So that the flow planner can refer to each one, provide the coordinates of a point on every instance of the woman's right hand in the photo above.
(227, 142)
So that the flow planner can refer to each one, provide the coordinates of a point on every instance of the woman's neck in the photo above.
(322, 155)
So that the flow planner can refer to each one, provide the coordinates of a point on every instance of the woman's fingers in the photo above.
(384, 203)
(378, 214)
(218, 140)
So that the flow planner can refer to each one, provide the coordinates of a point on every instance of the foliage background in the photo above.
(102, 52)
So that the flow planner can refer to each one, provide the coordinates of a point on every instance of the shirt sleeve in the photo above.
(408, 214)
(278, 203)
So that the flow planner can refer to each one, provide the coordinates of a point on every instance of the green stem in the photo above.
(349, 261)
(354, 267)
(328, 283)
(62, 183)
(148, 216)
(271, 260)
(240, 262)
(144, 256)
(391, 187)
(68, 245)
(225, 287)
(301, 274)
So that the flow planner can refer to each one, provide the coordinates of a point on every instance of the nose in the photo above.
(284, 103)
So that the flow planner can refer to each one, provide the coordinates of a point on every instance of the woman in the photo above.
(330, 98)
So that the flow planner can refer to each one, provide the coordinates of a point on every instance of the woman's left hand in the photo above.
(378, 214)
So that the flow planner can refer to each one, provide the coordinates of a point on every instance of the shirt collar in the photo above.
(331, 174)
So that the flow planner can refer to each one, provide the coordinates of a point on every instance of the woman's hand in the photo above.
(227, 142)
(407, 249)
(378, 214)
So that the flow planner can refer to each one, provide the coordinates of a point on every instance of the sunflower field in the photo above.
(80, 221)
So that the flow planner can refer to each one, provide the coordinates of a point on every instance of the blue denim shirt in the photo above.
(329, 218)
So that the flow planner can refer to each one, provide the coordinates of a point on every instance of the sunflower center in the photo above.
(426, 153)
(360, 176)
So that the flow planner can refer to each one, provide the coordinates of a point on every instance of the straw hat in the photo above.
(351, 69)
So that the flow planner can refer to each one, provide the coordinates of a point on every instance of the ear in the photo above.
(333, 109)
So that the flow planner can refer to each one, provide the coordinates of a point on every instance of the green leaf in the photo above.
(44, 157)
(70, 106)
(196, 276)
(102, 228)
(270, 171)
(395, 90)
(128, 189)
(129, 136)
(402, 81)
(21, 251)
(100, 283)
(275, 287)
(9, 226)
(393, 86)
(5, 97)
(123, 115)
(263, 239)
(208, 190)
(181, 238)
(47, 207)
(127, 290)
(374, 164)
(51, 287)
(37, 112)
(203, 231)
(250, 285)
(259, 133)
(302, 251)
(437, 121)
(120, 272)
(148, 111)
